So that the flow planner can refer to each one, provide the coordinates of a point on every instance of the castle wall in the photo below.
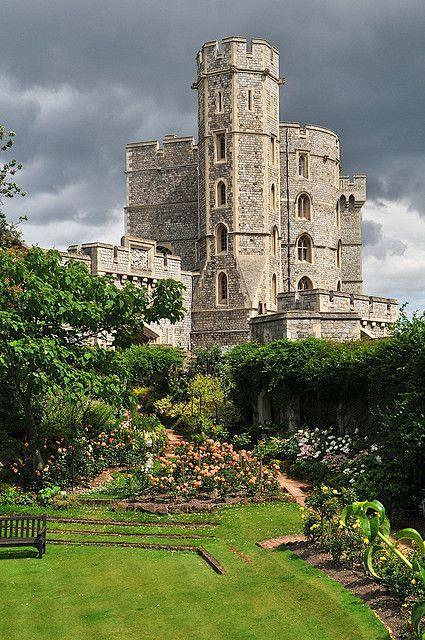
(331, 315)
(138, 261)
(162, 194)
(320, 147)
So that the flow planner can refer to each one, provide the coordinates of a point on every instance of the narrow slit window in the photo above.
(273, 150)
(220, 101)
(249, 100)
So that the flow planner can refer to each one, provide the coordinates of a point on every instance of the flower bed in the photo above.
(213, 468)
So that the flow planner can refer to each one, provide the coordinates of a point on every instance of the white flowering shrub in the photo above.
(320, 455)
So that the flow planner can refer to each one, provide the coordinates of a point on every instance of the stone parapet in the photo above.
(141, 262)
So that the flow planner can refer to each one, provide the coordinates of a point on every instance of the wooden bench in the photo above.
(23, 531)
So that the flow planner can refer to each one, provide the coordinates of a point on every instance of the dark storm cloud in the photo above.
(379, 245)
(80, 79)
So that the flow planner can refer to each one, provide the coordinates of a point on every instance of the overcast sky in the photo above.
(80, 79)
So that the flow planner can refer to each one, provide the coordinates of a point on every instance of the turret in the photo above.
(239, 183)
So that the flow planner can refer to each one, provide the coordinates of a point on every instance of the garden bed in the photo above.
(371, 592)
(199, 504)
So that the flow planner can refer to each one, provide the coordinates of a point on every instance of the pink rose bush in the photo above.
(213, 467)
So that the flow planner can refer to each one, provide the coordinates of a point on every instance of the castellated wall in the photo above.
(247, 79)
(353, 197)
(331, 315)
(162, 194)
(320, 148)
(138, 261)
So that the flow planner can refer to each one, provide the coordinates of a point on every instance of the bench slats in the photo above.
(23, 531)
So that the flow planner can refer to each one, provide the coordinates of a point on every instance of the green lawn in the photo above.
(102, 593)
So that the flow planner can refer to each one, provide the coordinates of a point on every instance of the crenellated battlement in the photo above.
(149, 154)
(303, 130)
(355, 186)
(234, 51)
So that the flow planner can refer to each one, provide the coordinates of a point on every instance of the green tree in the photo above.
(52, 317)
(10, 235)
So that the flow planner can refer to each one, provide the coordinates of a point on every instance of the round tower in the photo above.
(312, 242)
(239, 185)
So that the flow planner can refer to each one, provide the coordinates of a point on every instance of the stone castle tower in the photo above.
(258, 211)
(239, 208)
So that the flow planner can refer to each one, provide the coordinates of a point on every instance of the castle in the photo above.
(256, 219)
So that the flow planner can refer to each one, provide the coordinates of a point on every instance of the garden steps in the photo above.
(173, 441)
(295, 488)
(273, 543)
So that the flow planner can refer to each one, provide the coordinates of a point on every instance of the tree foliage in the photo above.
(10, 235)
(51, 317)
(380, 382)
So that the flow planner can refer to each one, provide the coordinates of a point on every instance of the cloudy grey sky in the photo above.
(80, 79)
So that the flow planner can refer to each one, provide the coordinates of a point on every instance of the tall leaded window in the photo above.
(304, 284)
(222, 297)
(304, 249)
(274, 289)
(337, 214)
(303, 165)
(273, 196)
(304, 206)
(221, 194)
(275, 240)
(222, 239)
(220, 147)
(339, 254)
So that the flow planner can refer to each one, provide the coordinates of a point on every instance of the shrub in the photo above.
(213, 467)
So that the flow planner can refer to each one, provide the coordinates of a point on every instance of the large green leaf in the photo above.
(418, 613)
(368, 560)
(411, 534)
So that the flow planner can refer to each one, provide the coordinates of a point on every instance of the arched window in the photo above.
(303, 206)
(339, 286)
(351, 204)
(339, 254)
(222, 239)
(342, 204)
(275, 240)
(222, 289)
(274, 289)
(221, 194)
(273, 197)
(304, 249)
(304, 284)
(302, 165)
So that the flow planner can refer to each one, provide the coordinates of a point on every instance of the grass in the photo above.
(108, 593)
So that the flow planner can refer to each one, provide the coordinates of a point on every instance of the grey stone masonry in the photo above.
(238, 111)
(353, 197)
(138, 261)
(162, 194)
(326, 314)
(256, 219)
